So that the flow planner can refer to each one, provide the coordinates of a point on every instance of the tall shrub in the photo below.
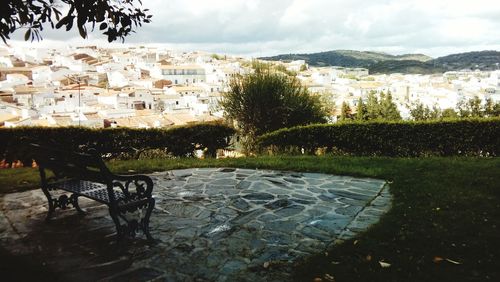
(266, 100)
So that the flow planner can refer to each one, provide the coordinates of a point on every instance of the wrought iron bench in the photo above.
(86, 175)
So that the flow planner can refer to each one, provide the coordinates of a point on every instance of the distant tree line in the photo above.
(472, 108)
(383, 108)
(375, 108)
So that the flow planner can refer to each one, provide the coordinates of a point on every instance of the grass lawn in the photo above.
(444, 224)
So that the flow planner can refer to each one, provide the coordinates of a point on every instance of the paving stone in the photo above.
(315, 190)
(315, 233)
(259, 196)
(268, 217)
(331, 226)
(279, 204)
(240, 204)
(294, 181)
(289, 211)
(350, 195)
(328, 197)
(349, 211)
(225, 181)
(233, 266)
(243, 184)
(260, 186)
(211, 224)
(281, 226)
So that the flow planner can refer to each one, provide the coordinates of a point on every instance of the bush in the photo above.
(267, 100)
(405, 139)
(179, 141)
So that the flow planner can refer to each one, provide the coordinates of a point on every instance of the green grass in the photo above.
(445, 208)
(18, 179)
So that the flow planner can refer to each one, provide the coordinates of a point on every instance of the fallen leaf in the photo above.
(335, 262)
(266, 264)
(384, 264)
(355, 242)
(330, 278)
(437, 259)
(317, 279)
(454, 262)
(368, 258)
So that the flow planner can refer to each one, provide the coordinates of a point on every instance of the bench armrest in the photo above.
(143, 185)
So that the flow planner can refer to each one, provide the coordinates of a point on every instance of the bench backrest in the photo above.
(66, 164)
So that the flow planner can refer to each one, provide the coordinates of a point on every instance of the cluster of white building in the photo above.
(147, 87)
(131, 87)
(444, 91)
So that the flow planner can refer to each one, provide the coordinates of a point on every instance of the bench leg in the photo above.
(73, 199)
(145, 220)
(52, 204)
(116, 220)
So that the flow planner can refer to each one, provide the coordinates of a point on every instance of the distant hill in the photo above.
(346, 58)
(407, 66)
(385, 63)
(483, 60)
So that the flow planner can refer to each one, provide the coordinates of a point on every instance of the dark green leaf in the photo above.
(27, 35)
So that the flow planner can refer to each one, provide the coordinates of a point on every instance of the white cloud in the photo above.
(258, 27)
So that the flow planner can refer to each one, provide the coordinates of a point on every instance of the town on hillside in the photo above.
(152, 87)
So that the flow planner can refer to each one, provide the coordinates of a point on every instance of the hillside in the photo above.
(407, 66)
(483, 60)
(409, 63)
(346, 58)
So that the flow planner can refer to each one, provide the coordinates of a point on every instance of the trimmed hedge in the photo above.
(404, 139)
(179, 141)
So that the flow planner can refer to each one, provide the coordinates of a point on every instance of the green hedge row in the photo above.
(406, 139)
(176, 141)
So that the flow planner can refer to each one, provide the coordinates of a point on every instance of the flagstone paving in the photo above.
(210, 224)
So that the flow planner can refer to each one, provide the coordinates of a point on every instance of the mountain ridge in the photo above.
(380, 63)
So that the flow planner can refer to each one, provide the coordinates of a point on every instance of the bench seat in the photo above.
(92, 190)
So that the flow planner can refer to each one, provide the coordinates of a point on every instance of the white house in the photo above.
(183, 74)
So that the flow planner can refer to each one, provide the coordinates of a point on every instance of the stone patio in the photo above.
(210, 225)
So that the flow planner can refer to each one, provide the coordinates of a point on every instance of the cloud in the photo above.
(258, 27)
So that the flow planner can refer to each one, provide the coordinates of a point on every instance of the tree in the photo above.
(388, 109)
(449, 114)
(327, 100)
(489, 108)
(463, 109)
(474, 106)
(267, 100)
(345, 112)
(418, 111)
(435, 112)
(382, 108)
(496, 110)
(361, 110)
(372, 106)
(116, 18)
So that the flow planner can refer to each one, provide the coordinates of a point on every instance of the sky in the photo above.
(257, 28)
